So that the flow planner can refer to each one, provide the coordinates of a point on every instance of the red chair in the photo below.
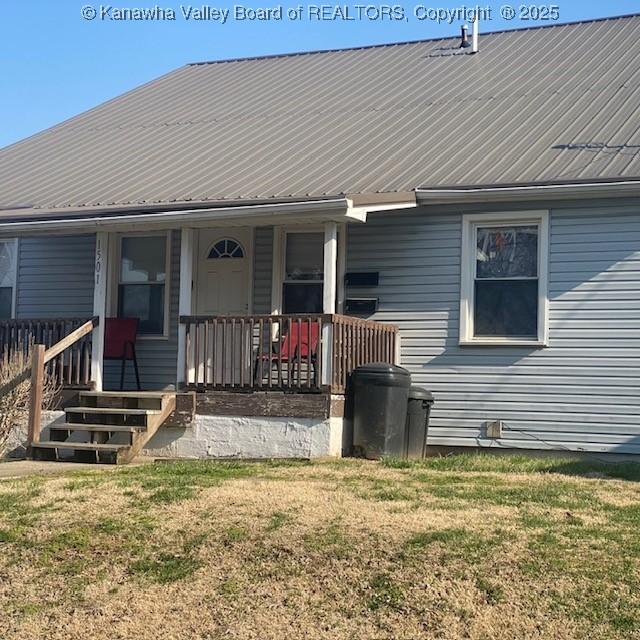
(120, 343)
(300, 341)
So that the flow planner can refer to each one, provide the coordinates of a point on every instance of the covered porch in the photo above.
(251, 307)
(240, 298)
(242, 333)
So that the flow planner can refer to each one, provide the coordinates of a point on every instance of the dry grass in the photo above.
(14, 404)
(471, 547)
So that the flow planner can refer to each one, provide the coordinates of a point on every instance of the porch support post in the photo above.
(330, 266)
(329, 297)
(341, 267)
(184, 300)
(398, 350)
(276, 271)
(101, 277)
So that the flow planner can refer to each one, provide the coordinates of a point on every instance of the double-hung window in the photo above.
(142, 282)
(504, 278)
(303, 272)
(8, 261)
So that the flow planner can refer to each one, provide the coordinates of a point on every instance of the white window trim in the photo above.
(14, 267)
(470, 223)
(14, 296)
(115, 279)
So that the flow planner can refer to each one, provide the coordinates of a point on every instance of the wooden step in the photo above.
(113, 428)
(81, 451)
(152, 400)
(87, 446)
(145, 422)
(125, 394)
(113, 411)
(108, 416)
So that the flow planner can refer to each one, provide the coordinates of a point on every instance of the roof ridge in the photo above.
(382, 45)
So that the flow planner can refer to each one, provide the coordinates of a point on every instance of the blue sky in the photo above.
(54, 63)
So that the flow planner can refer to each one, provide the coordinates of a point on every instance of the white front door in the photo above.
(223, 272)
(222, 289)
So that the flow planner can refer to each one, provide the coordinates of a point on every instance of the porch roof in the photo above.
(535, 105)
(305, 212)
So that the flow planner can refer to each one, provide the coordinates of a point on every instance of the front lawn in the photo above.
(461, 547)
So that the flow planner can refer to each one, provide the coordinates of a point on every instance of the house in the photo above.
(474, 217)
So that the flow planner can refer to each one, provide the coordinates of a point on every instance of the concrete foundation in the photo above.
(249, 437)
(16, 445)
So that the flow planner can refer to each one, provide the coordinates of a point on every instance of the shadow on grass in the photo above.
(482, 462)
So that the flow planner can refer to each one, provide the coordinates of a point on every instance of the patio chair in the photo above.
(120, 344)
(299, 342)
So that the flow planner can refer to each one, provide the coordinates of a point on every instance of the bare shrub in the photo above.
(14, 402)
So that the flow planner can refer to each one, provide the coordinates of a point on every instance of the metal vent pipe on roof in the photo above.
(474, 35)
(464, 38)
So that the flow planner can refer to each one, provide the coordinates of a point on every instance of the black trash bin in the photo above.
(380, 394)
(418, 410)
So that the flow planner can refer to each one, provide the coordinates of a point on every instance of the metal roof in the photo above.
(539, 105)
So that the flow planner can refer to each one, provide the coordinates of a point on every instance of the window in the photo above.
(226, 248)
(8, 258)
(504, 281)
(142, 282)
(303, 273)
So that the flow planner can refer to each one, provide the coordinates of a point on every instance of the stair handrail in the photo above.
(39, 359)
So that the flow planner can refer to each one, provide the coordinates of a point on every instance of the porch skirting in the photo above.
(210, 436)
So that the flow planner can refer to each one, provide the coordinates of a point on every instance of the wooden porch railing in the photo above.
(63, 356)
(282, 352)
(357, 342)
(72, 365)
(42, 356)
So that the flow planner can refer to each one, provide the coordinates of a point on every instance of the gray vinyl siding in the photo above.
(157, 358)
(55, 277)
(579, 393)
(262, 269)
